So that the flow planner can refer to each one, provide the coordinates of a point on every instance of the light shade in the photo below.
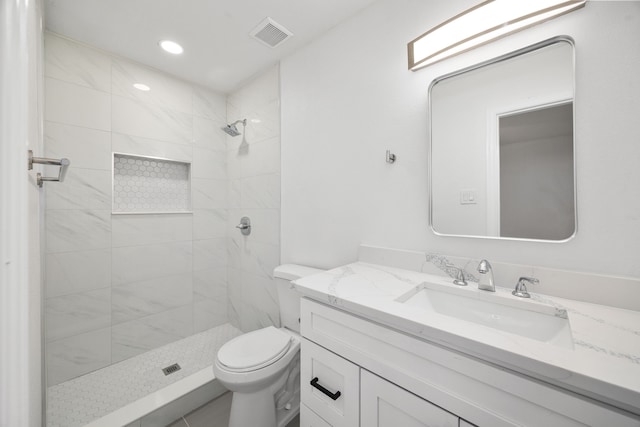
(483, 23)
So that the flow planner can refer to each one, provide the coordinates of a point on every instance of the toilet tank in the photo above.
(288, 297)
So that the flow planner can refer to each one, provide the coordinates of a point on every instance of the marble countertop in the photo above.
(604, 362)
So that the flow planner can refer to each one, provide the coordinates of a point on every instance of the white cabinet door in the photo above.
(330, 385)
(308, 418)
(384, 404)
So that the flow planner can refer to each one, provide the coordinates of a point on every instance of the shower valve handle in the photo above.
(244, 226)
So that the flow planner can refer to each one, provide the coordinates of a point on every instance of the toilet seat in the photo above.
(254, 350)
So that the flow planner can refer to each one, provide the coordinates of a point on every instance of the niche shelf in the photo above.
(150, 185)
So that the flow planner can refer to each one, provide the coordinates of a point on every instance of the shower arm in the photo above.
(244, 122)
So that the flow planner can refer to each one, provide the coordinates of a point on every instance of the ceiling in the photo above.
(219, 53)
(543, 123)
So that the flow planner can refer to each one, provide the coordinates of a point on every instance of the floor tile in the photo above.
(213, 414)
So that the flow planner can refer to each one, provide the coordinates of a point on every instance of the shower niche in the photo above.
(150, 185)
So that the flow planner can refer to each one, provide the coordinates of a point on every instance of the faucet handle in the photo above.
(460, 280)
(521, 286)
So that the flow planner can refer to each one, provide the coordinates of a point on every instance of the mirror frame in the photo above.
(492, 61)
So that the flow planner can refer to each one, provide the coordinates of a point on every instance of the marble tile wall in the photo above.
(118, 285)
(253, 161)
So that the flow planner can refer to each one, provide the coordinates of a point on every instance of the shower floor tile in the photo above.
(81, 400)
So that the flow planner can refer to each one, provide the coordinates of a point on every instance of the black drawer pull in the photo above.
(334, 396)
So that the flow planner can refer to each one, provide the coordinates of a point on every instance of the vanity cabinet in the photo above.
(366, 374)
(341, 394)
(384, 404)
(308, 418)
(335, 392)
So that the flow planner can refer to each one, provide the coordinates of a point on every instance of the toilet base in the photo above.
(283, 415)
(262, 412)
(273, 406)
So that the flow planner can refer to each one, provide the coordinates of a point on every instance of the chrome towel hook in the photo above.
(391, 158)
(63, 163)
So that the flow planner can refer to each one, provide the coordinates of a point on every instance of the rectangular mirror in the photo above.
(502, 161)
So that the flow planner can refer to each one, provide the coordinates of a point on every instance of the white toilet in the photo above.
(262, 368)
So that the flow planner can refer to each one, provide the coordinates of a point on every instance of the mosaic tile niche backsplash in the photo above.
(150, 185)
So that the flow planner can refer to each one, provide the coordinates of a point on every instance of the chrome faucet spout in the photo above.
(486, 276)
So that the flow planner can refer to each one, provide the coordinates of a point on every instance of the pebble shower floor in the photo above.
(84, 399)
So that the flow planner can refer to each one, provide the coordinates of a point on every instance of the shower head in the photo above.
(232, 129)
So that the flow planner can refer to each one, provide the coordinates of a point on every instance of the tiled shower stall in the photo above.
(117, 284)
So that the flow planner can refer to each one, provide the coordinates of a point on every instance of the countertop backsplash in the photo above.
(620, 292)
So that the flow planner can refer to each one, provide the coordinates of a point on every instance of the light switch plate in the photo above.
(468, 197)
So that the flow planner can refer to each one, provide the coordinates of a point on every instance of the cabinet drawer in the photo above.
(386, 405)
(308, 418)
(334, 394)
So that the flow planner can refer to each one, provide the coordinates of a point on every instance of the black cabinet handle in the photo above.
(334, 396)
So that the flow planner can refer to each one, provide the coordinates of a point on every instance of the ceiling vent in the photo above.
(270, 33)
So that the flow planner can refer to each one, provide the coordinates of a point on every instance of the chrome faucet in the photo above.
(521, 287)
(486, 279)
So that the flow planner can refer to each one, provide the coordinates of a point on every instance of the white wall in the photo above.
(35, 216)
(21, 382)
(348, 97)
(118, 285)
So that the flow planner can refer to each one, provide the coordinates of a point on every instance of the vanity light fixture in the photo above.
(171, 47)
(481, 24)
(142, 87)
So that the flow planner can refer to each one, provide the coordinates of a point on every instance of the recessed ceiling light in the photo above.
(142, 87)
(171, 47)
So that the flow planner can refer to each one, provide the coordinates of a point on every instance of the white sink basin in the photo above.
(524, 318)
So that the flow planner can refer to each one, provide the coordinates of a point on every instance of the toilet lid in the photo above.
(254, 350)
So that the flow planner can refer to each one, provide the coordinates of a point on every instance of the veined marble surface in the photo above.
(604, 363)
(117, 286)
